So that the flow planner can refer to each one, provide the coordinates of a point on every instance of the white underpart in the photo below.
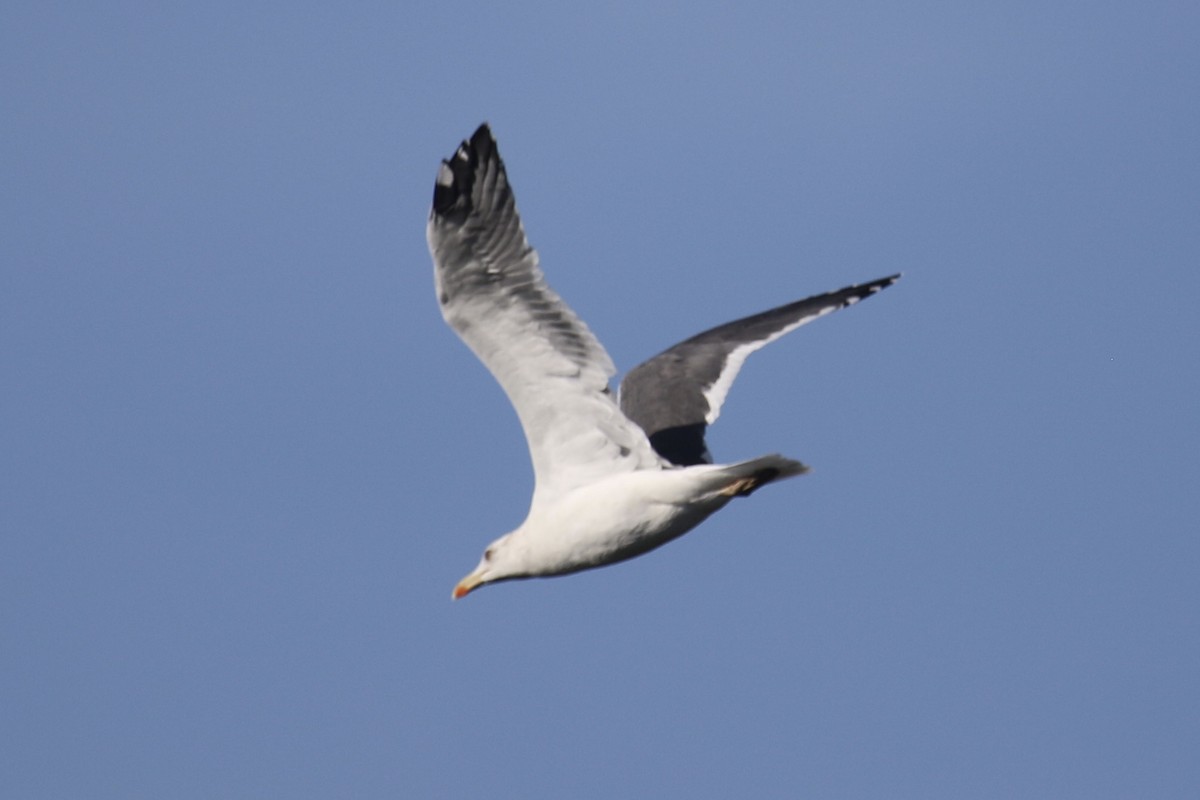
(715, 394)
(619, 516)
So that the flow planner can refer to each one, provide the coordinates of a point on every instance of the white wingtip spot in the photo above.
(445, 176)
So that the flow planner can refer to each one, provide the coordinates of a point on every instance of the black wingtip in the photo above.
(862, 290)
(456, 176)
(852, 294)
(482, 137)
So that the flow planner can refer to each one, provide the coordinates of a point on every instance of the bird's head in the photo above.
(498, 564)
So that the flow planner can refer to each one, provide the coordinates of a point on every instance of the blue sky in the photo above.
(243, 462)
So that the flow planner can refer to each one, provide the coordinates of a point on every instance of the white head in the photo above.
(501, 561)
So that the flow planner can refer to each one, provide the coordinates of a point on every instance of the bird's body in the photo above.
(614, 479)
(630, 513)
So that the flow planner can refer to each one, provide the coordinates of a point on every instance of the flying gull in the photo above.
(615, 476)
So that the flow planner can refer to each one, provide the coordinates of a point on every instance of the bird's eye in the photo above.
(487, 554)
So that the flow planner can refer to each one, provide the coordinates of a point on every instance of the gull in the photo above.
(615, 476)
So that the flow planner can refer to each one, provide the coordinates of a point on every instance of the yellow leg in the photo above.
(741, 487)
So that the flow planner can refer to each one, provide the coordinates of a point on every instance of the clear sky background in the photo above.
(243, 462)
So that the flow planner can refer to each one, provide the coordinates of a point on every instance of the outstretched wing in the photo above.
(678, 393)
(492, 293)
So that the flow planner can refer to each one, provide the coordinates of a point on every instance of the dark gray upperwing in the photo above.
(678, 393)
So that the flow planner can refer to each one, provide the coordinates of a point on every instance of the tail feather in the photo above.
(746, 477)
